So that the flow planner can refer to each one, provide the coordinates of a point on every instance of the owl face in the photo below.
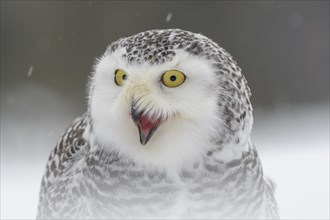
(162, 114)
(164, 98)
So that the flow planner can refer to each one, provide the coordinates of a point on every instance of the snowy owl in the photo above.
(166, 135)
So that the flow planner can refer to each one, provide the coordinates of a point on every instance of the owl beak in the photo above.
(146, 125)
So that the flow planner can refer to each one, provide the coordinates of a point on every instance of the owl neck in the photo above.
(215, 164)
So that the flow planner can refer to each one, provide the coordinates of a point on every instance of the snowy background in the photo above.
(48, 48)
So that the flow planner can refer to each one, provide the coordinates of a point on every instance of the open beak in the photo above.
(146, 125)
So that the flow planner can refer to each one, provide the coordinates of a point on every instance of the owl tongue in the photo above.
(146, 127)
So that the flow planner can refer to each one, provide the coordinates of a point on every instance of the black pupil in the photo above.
(173, 78)
(124, 77)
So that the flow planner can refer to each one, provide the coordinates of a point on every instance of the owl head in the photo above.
(168, 99)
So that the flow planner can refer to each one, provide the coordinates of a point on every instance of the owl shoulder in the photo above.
(71, 147)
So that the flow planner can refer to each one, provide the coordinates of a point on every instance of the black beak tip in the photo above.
(145, 137)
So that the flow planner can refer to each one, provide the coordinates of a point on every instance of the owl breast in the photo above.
(205, 191)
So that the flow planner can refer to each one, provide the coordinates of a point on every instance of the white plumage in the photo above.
(152, 146)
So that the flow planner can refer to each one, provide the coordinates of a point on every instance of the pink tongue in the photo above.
(146, 124)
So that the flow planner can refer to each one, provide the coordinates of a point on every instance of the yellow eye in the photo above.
(173, 78)
(120, 77)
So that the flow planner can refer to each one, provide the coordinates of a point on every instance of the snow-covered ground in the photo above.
(293, 143)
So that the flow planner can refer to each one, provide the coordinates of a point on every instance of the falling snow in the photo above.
(168, 17)
(29, 74)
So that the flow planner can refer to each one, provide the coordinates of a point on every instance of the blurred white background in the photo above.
(48, 49)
